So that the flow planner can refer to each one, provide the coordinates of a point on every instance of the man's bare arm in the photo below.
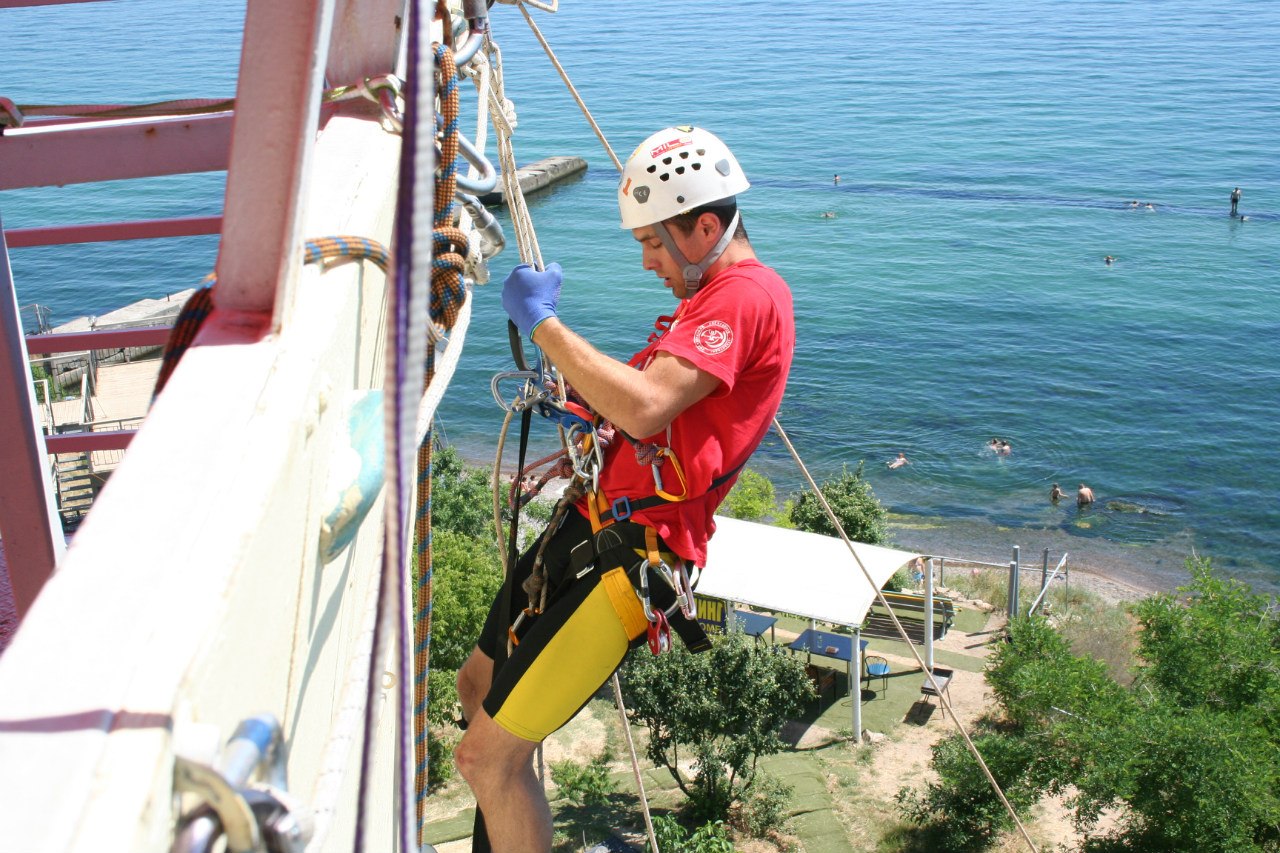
(640, 402)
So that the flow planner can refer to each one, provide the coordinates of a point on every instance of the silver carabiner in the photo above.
(525, 399)
(643, 593)
(684, 591)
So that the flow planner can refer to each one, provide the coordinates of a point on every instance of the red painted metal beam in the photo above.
(78, 442)
(277, 111)
(29, 524)
(144, 336)
(55, 155)
(15, 4)
(102, 232)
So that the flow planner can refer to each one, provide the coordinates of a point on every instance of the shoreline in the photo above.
(1114, 570)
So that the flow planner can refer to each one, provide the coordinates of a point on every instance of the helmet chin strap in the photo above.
(693, 272)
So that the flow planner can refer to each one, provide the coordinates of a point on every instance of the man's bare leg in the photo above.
(474, 680)
(499, 768)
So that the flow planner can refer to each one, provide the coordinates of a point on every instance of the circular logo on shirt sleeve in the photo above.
(713, 337)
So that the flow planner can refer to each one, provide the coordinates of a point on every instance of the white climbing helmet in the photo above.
(675, 170)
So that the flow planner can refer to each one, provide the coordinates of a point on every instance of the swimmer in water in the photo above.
(1108, 260)
(828, 214)
(1084, 497)
(1056, 494)
(899, 462)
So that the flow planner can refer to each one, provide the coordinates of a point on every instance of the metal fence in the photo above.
(1015, 569)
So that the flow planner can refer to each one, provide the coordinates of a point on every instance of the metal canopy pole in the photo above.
(928, 617)
(855, 687)
(29, 524)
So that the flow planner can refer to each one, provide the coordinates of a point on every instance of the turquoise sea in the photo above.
(988, 152)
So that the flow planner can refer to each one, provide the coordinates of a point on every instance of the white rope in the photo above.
(569, 83)
(942, 696)
(635, 761)
(503, 115)
(346, 730)
(445, 368)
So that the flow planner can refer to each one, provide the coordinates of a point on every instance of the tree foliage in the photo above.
(466, 575)
(962, 812)
(752, 498)
(1189, 754)
(854, 504)
(461, 497)
(724, 708)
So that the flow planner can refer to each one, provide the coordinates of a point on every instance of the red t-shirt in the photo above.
(740, 328)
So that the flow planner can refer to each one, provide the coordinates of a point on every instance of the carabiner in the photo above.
(684, 591)
(644, 593)
(659, 634)
(527, 397)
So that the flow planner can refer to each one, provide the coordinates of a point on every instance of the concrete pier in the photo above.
(539, 175)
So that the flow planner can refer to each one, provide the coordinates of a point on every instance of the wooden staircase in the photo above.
(75, 488)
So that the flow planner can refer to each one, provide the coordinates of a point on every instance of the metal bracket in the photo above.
(258, 818)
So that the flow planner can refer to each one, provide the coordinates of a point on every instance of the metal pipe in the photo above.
(477, 14)
(488, 178)
(855, 687)
(928, 618)
(1012, 607)
(255, 743)
(492, 240)
(1061, 566)
(29, 522)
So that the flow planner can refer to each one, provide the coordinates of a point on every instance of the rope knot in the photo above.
(647, 454)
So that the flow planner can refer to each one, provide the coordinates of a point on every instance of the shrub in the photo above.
(854, 504)
(960, 810)
(461, 498)
(751, 498)
(1188, 755)
(466, 579)
(711, 837)
(584, 784)
(726, 706)
(765, 808)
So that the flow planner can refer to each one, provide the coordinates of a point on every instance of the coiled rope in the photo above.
(995, 786)
(448, 295)
(198, 307)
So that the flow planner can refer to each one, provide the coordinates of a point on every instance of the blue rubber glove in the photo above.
(530, 296)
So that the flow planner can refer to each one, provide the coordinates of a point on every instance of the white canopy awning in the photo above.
(804, 574)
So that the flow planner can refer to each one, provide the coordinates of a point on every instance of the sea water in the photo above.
(988, 155)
